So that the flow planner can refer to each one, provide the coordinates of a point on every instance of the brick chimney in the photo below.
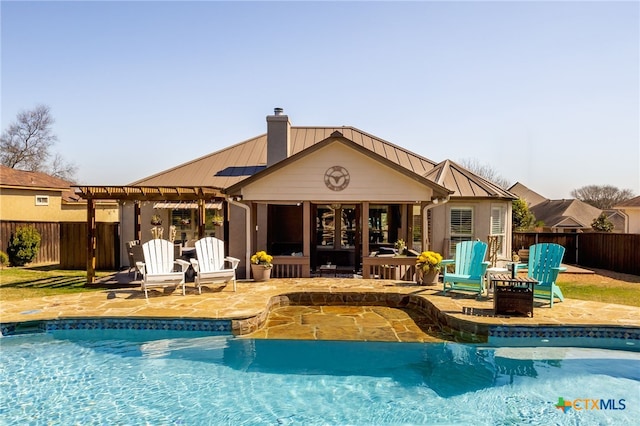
(278, 137)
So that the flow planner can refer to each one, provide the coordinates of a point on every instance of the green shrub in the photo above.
(4, 259)
(24, 245)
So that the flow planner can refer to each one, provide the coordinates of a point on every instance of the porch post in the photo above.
(365, 229)
(137, 232)
(306, 235)
(425, 226)
(201, 218)
(91, 241)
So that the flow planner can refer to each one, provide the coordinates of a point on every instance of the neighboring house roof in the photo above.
(565, 213)
(15, 178)
(231, 165)
(37, 181)
(531, 197)
(22, 179)
(632, 202)
(618, 219)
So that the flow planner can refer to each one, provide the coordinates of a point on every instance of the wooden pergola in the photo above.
(199, 194)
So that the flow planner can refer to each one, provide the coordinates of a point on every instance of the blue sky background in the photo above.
(545, 93)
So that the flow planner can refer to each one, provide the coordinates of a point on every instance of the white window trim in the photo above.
(503, 234)
(42, 200)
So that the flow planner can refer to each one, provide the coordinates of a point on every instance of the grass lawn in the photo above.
(619, 293)
(22, 283)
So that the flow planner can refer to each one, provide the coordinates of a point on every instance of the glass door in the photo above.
(336, 235)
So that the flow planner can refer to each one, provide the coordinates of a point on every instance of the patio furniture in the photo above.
(513, 294)
(132, 259)
(470, 268)
(136, 255)
(158, 267)
(210, 263)
(544, 265)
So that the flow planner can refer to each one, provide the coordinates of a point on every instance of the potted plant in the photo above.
(401, 246)
(156, 220)
(217, 220)
(261, 266)
(428, 267)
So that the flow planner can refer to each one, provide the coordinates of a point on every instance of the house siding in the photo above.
(304, 180)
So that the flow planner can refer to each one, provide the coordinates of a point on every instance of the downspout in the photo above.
(434, 202)
(247, 209)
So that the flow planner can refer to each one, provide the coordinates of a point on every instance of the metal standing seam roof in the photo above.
(465, 183)
(231, 165)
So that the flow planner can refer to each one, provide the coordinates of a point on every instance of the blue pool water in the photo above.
(127, 378)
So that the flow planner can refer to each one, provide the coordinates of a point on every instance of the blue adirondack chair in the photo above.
(470, 267)
(544, 266)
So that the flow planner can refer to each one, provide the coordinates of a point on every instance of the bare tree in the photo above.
(27, 143)
(602, 196)
(485, 171)
(61, 168)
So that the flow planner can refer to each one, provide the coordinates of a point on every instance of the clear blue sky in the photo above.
(545, 93)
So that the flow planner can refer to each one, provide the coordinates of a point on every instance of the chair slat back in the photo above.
(158, 256)
(543, 257)
(469, 257)
(210, 252)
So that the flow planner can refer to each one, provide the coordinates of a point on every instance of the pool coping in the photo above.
(464, 328)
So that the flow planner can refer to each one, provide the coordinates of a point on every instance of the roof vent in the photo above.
(278, 111)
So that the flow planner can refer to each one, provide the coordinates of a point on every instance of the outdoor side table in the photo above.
(512, 294)
(491, 272)
(328, 269)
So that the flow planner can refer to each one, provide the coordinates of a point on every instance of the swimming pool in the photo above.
(151, 377)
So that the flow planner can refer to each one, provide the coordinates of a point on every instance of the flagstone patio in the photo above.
(322, 308)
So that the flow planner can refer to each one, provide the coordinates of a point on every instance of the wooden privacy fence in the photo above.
(73, 246)
(49, 244)
(610, 251)
(66, 243)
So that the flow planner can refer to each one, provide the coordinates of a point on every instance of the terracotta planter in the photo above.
(427, 278)
(260, 272)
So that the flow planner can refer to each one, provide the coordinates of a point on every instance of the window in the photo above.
(461, 226)
(498, 227)
(378, 224)
(416, 222)
(42, 200)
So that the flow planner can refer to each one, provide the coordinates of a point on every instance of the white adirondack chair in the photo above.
(158, 267)
(210, 263)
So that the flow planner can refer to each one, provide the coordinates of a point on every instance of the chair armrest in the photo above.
(195, 264)
(445, 263)
(141, 268)
(233, 260)
(183, 264)
(559, 269)
(484, 267)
